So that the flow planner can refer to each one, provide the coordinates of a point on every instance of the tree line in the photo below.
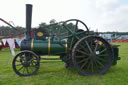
(52, 28)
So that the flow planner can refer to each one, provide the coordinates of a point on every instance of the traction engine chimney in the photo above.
(28, 21)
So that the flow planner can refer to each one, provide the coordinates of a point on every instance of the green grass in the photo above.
(57, 74)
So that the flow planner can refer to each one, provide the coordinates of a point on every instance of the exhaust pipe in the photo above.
(28, 21)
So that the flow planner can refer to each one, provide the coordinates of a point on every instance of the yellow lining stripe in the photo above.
(49, 47)
(32, 44)
(66, 46)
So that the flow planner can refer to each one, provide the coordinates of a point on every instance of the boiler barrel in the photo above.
(45, 47)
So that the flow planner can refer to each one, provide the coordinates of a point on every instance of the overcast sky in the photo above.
(104, 15)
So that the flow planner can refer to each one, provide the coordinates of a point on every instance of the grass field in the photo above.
(57, 74)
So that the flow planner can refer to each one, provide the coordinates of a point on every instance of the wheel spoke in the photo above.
(101, 59)
(18, 64)
(68, 29)
(80, 56)
(77, 37)
(99, 45)
(102, 55)
(27, 70)
(17, 61)
(96, 47)
(86, 59)
(30, 60)
(88, 47)
(91, 42)
(88, 66)
(82, 52)
(33, 64)
(80, 33)
(76, 26)
(83, 48)
(85, 63)
(20, 68)
(95, 64)
(103, 51)
(99, 63)
(23, 70)
(31, 68)
(67, 36)
(92, 65)
(71, 43)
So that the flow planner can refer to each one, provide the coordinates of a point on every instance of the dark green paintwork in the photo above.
(41, 47)
(116, 54)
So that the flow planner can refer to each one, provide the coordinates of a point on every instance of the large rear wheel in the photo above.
(92, 55)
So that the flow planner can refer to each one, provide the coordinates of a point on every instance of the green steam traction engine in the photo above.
(78, 48)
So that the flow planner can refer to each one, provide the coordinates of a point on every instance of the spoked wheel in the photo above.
(68, 29)
(92, 55)
(74, 28)
(26, 63)
(76, 24)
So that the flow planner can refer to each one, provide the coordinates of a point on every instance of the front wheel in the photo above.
(26, 63)
(92, 55)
